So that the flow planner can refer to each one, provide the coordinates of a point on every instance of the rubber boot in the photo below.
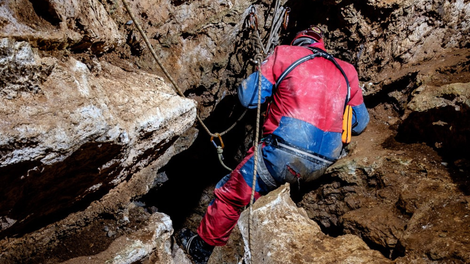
(196, 247)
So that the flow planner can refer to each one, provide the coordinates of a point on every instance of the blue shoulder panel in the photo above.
(248, 90)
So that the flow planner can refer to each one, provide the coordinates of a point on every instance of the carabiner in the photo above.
(253, 19)
(220, 139)
(286, 18)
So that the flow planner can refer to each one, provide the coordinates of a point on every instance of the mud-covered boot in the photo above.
(196, 247)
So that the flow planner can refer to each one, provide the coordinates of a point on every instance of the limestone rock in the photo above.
(427, 97)
(151, 243)
(434, 115)
(64, 63)
(282, 233)
(57, 24)
(79, 134)
(397, 197)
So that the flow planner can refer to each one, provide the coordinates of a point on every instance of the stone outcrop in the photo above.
(80, 136)
(389, 40)
(397, 197)
(283, 233)
(434, 115)
(84, 127)
(151, 243)
(49, 24)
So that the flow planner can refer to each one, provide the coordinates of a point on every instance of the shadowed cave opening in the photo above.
(198, 167)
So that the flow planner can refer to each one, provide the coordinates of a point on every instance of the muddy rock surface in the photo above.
(393, 195)
(101, 160)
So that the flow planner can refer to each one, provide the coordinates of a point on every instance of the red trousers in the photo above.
(232, 193)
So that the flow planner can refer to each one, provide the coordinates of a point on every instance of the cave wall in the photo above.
(88, 117)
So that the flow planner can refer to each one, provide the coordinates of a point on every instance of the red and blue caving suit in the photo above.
(302, 132)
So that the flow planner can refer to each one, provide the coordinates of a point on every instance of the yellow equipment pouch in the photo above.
(347, 125)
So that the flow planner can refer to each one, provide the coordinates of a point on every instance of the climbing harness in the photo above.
(347, 115)
(178, 90)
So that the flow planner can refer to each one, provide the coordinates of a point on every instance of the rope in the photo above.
(178, 90)
(277, 22)
(256, 145)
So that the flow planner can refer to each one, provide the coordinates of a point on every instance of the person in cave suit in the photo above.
(302, 132)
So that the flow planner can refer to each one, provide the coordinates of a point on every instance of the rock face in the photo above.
(74, 136)
(84, 133)
(283, 233)
(152, 240)
(401, 199)
(73, 133)
(87, 121)
(84, 127)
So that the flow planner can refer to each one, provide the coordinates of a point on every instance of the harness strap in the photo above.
(332, 59)
(280, 143)
(347, 112)
(301, 153)
(316, 53)
(292, 66)
(276, 142)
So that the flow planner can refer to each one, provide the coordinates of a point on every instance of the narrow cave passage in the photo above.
(193, 173)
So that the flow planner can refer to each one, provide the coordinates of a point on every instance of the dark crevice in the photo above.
(441, 128)
(198, 167)
(445, 130)
(52, 202)
(405, 86)
(198, 91)
(179, 2)
(186, 35)
(44, 9)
